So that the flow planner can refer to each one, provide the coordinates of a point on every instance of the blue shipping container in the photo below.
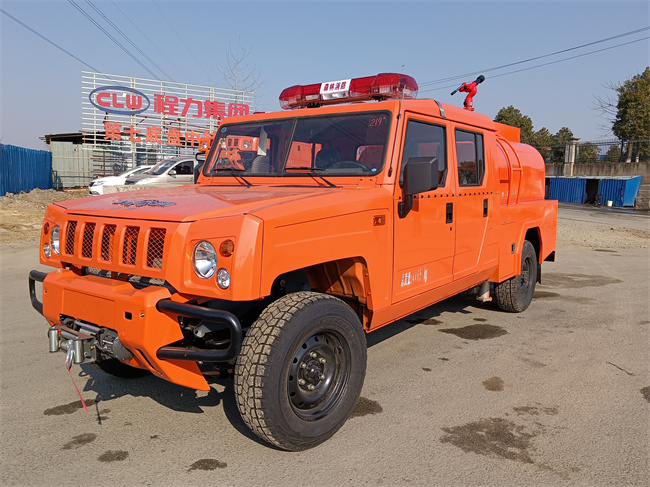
(621, 192)
(569, 190)
(24, 169)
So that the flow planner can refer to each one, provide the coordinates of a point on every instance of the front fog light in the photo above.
(47, 251)
(223, 278)
(204, 260)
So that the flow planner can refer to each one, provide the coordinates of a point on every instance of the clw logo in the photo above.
(119, 100)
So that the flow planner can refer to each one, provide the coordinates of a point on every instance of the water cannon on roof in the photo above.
(471, 90)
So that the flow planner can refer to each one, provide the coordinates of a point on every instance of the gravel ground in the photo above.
(21, 216)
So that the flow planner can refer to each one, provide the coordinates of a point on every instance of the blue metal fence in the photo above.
(621, 192)
(569, 190)
(24, 169)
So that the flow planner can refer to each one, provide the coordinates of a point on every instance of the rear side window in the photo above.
(470, 156)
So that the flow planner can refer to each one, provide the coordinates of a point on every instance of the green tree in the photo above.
(631, 113)
(559, 143)
(543, 141)
(513, 116)
(613, 154)
(588, 153)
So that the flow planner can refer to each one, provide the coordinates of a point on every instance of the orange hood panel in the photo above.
(188, 203)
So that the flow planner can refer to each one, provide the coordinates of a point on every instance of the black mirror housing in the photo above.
(420, 175)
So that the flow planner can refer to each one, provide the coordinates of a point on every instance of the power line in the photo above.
(145, 36)
(545, 64)
(96, 24)
(443, 80)
(96, 9)
(47, 40)
(182, 41)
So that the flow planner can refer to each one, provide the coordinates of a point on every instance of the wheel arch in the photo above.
(346, 278)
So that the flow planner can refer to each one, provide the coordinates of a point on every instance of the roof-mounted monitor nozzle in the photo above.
(471, 90)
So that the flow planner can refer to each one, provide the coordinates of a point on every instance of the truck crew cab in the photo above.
(359, 206)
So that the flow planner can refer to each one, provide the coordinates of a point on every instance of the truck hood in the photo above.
(191, 203)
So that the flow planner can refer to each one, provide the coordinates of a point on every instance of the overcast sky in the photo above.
(305, 42)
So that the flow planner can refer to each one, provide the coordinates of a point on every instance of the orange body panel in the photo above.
(342, 231)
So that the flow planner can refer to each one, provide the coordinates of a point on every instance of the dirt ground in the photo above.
(21, 216)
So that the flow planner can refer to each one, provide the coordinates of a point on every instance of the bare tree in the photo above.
(238, 74)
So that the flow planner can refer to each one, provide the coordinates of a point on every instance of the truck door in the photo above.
(472, 204)
(425, 237)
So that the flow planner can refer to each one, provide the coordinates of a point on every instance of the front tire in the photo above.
(300, 370)
(516, 293)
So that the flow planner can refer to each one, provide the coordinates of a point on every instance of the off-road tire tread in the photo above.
(507, 292)
(250, 368)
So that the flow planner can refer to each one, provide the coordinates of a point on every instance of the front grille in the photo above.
(117, 247)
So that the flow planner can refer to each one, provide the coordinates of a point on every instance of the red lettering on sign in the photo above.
(188, 102)
(237, 109)
(134, 102)
(173, 137)
(153, 135)
(133, 134)
(115, 103)
(191, 137)
(100, 100)
(215, 109)
(112, 131)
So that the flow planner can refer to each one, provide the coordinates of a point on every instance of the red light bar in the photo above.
(380, 87)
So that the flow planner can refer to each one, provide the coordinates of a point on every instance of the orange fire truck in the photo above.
(360, 205)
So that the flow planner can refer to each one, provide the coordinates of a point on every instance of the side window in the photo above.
(184, 167)
(425, 140)
(471, 160)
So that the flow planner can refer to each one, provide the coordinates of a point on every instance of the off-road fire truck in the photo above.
(361, 205)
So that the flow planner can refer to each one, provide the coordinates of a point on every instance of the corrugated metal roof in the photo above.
(594, 177)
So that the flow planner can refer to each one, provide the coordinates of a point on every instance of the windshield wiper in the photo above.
(312, 171)
(233, 172)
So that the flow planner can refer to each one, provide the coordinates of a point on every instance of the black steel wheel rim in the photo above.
(318, 375)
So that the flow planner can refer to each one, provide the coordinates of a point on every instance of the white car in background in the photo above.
(96, 186)
(176, 171)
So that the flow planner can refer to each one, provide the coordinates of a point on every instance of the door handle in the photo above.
(450, 212)
(485, 208)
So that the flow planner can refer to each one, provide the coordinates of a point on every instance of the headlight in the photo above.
(223, 279)
(54, 239)
(96, 183)
(204, 260)
(247, 144)
(47, 250)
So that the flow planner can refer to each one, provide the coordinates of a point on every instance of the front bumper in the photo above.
(144, 320)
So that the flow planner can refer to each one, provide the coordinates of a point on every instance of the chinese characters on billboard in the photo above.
(148, 119)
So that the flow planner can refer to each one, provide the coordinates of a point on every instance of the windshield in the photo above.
(162, 166)
(341, 145)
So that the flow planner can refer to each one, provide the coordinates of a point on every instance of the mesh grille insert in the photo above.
(89, 238)
(70, 235)
(129, 254)
(108, 237)
(155, 248)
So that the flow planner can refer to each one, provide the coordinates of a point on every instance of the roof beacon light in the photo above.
(380, 87)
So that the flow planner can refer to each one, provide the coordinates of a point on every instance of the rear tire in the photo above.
(114, 367)
(516, 293)
(300, 370)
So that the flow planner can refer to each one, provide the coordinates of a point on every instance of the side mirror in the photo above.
(420, 175)
(172, 172)
(200, 157)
